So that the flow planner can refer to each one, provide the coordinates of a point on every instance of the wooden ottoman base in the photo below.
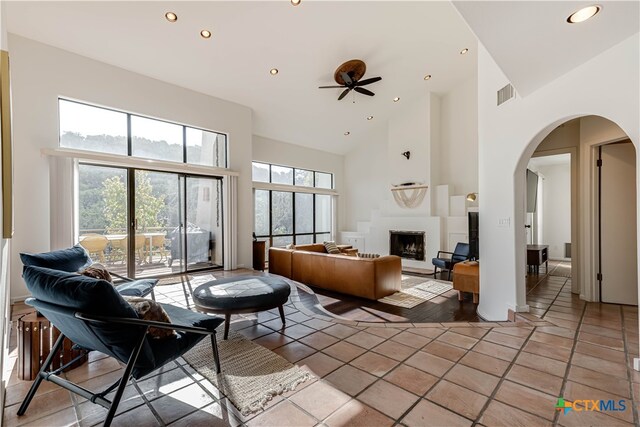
(466, 279)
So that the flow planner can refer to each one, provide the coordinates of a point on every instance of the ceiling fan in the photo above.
(348, 76)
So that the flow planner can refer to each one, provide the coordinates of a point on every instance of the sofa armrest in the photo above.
(280, 262)
(388, 275)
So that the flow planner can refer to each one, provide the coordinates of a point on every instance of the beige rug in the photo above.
(415, 291)
(561, 270)
(251, 374)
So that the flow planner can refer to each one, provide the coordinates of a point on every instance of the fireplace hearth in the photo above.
(407, 244)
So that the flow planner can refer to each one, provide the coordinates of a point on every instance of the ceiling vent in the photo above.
(505, 94)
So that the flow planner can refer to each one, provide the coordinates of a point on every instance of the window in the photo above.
(86, 127)
(284, 217)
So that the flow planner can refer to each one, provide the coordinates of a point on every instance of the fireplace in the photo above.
(407, 244)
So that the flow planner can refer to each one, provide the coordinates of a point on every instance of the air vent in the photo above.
(505, 94)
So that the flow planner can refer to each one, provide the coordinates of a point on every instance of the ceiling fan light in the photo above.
(584, 14)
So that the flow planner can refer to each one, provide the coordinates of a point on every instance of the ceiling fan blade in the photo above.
(363, 91)
(346, 77)
(368, 81)
(328, 87)
(344, 93)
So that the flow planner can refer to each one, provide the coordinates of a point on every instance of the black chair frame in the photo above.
(450, 261)
(120, 384)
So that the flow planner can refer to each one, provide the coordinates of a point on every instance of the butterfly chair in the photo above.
(92, 314)
(76, 258)
(446, 260)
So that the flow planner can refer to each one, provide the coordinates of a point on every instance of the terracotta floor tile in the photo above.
(590, 418)
(317, 324)
(541, 363)
(463, 341)
(495, 350)
(94, 369)
(444, 350)
(535, 379)
(365, 340)
(273, 340)
(426, 413)
(485, 363)
(340, 331)
(601, 381)
(429, 363)
(529, 400)
(516, 332)
(40, 406)
(574, 390)
(294, 351)
(319, 340)
(503, 339)
(357, 414)
(568, 324)
(141, 416)
(214, 415)
(458, 399)
(411, 340)
(596, 364)
(375, 364)
(553, 340)
(66, 417)
(283, 414)
(255, 331)
(394, 350)
(472, 332)
(559, 331)
(350, 380)
(181, 402)
(298, 331)
(320, 364)
(614, 343)
(411, 379)
(297, 317)
(383, 332)
(499, 414)
(472, 379)
(600, 330)
(548, 350)
(320, 399)
(434, 332)
(344, 351)
(387, 398)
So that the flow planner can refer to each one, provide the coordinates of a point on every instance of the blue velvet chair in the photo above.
(446, 260)
(92, 314)
(76, 258)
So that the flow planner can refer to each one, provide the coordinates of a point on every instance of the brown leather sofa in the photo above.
(371, 278)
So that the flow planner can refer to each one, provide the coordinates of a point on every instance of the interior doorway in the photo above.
(616, 219)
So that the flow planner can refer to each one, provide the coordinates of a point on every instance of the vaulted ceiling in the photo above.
(400, 41)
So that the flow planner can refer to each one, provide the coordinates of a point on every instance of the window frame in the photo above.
(294, 169)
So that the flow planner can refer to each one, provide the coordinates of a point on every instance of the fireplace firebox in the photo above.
(407, 244)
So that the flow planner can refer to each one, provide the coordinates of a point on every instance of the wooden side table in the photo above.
(466, 278)
(258, 255)
(36, 336)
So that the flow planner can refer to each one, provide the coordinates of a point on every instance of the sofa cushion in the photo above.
(137, 288)
(331, 247)
(71, 259)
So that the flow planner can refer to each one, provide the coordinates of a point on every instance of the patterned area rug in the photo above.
(251, 374)
(415, 291)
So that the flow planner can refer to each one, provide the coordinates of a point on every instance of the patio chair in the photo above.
(76, 258)
(94, 316)
(95, 244)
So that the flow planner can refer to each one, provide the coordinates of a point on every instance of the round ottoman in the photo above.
(241, 294)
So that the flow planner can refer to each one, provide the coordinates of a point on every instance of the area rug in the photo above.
(415, 291)
(561, 270)
(251, 374)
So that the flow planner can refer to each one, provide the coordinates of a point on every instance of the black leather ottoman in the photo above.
(241, 294)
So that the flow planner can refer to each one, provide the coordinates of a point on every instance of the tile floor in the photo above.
(506, 373)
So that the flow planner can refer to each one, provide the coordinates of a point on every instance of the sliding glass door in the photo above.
(143, 223)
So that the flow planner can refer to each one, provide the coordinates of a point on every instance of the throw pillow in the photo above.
(151, 310)
(368, 255)
(289, 246)
(97, 271)
(331, 247)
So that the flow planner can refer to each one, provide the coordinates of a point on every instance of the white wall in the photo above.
(281, 153)
(41, 73)
(556, 208)
(459, 138)
(606, 86)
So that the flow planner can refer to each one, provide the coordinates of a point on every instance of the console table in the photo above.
(537, 255)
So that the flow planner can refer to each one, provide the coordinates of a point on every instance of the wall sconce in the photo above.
(407, 154)
(472, 197)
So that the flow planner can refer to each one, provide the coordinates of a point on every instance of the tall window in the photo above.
(86, 127)
(292, 217)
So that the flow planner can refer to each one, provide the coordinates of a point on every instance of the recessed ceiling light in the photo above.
(463, 51)
(205, 34)
(347, 133)
(273, 71)
(584, 14)
(427, 77)
(369, 117)
(296, 2)
(171, 17)
(396, 99)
